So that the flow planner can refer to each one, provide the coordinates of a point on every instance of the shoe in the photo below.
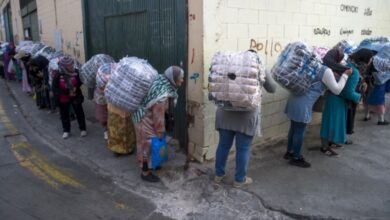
(383, 123)
(105, 135)
(299, 162)
(366, 118)
(218, 179)
(246, 182)
(65, 135)
(288, 155)
(83, 133)
(150, 178)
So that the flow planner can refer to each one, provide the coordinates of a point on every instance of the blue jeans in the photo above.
(243, 143)
(295, 137)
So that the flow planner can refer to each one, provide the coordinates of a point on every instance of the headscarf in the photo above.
(361, 58)
(332, 60)
(163, 87)
(66, 64)
(174, 73)
(66, 67)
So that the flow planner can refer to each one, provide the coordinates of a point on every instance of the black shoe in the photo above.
(150, 178)
(366, 118)
(383, 123)
(299, 162)
(288, 155)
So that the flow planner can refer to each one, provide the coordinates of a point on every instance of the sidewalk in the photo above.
(355, 185)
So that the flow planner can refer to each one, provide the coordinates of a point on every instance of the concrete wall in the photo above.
(61, 24)
(17, 26)
(267, 26)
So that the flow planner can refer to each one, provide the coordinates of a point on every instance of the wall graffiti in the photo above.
(269, 47)
(367, 32)
(321, 31)
(192, 17)
(194, 77)
(78, 38)
(349, 8)
(367, 12)
(346, 31)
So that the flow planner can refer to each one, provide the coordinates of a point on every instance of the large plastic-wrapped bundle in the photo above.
(56, 54)
(89, 69)
(235, 80)
(296, 68)
(346, 46)
(373, 43)
(36, 47)
(103, 74)
(129, 83)
(23, 44)
(320, 52)
(381, 63)
(53, 69)
(46, 51)
(26, 48)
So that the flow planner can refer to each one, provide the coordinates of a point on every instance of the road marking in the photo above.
(34, 161)
(40, 167)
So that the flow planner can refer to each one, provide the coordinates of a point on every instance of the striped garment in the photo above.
(161, 89)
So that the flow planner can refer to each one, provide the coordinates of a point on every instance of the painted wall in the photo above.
(61, 25)
(267, 26)
(17, 26)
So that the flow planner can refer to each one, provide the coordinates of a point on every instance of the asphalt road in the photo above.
(38, 183)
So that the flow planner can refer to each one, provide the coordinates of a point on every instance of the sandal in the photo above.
(334, 145)
(348, 142)
(328, 151)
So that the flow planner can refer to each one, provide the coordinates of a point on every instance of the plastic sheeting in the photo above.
(235, 80)
(129, 83)
(382, 65)
(89, 69)
(35, 48)
(320, 52)
(104, 74)
(46, 51)
(296, 68)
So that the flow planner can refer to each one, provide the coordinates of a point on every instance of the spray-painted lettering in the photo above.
(346, 31)
(194, 77)
(349, 8)
(366, 32)
(367, 12)
(269, 47)
(321, 31)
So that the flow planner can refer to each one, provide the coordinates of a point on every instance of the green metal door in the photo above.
(155, 30)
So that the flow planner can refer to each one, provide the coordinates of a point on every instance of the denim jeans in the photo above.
(296, 135)
(243, 143)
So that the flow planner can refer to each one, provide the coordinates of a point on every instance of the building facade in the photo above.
(189, 32)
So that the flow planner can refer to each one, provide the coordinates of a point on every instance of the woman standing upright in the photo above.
(299, 111)
(149, 118)
(334, 117)
(66, 88)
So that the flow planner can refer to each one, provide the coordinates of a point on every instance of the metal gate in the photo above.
(155, 30)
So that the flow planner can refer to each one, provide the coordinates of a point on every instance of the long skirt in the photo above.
(101, 114)
(334, 119)
(121, 132)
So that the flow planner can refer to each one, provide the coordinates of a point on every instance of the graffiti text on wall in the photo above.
(366, 31)
(349, 8)
(367, 12)
(346, 31)
(269, 47)
(321, 31)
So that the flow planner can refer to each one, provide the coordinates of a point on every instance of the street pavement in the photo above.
(355, 185)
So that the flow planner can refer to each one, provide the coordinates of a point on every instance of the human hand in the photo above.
(348, 72)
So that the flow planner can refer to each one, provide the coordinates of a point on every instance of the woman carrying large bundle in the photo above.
(149, 118)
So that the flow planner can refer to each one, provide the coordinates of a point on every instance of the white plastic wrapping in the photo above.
(296, 68)
(35, 48)
(129, 83)
(46, 51)
(235, 80)
(89, 69)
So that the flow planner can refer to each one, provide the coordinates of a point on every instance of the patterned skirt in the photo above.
(121, 133)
